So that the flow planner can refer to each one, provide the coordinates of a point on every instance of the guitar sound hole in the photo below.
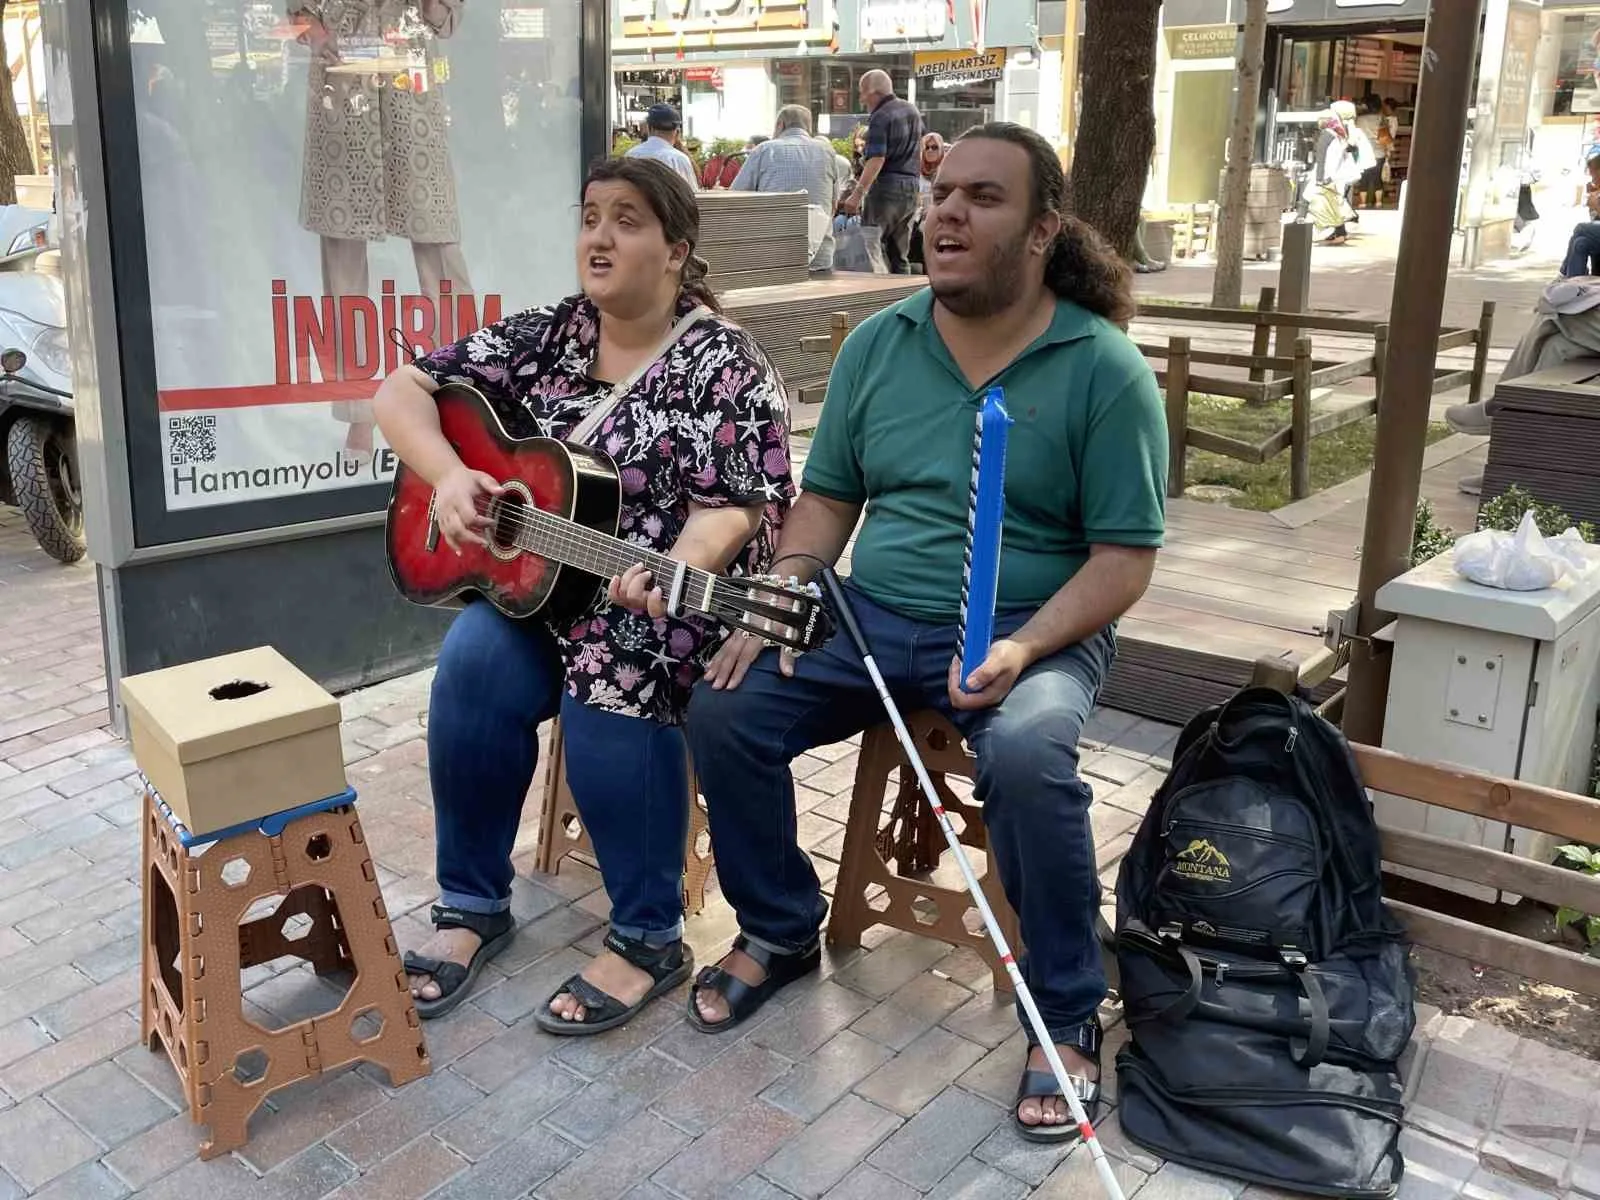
(507, 514)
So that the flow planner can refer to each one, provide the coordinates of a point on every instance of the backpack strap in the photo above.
(1318, 1029)
(1316, 1047)
(1184, 1005)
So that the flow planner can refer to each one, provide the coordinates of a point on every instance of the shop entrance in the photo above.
(1376, 68)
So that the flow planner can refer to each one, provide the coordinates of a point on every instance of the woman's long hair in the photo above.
(1082, 266)
(673, 202)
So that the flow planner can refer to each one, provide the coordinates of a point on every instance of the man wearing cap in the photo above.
(661, 123)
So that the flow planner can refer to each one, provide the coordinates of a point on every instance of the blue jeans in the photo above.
(498, 679)
(1583, 248)
(1035, 805)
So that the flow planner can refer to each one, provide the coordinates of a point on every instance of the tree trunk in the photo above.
(1117, 125)
(1229, 278)
(16, 157)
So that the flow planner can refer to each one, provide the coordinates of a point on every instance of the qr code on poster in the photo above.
(192, 439)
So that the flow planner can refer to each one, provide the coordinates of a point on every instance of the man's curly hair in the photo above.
(1082, 266)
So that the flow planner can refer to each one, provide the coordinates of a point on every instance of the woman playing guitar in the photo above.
(697, 426)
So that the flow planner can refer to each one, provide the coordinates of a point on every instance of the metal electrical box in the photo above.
(1496, 681)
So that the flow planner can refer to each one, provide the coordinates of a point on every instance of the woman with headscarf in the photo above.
(1333, 168)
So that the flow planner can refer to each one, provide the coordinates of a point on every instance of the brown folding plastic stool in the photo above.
(202, 925)
(913, 841)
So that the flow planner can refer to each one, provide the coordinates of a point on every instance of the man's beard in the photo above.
(996, 288)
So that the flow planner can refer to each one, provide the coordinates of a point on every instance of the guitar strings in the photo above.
(570, 535)
(729, 598)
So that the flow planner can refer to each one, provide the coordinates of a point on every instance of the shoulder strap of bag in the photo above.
(586, 428)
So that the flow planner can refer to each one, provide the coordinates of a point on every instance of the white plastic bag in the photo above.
(1524, 561)
(859, 247)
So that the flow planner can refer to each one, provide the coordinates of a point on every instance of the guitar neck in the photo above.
(574, 545)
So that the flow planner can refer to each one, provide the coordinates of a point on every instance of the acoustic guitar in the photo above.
(552, 538)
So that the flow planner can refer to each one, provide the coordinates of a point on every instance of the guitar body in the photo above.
(571, 482)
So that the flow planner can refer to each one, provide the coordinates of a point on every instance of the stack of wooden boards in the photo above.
(1546, 438)
(753, 238)
(755, 244)
(778, 317)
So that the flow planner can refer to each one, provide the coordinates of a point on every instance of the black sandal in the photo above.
(744, 999)
(1042, 1085)
(667, 966)
(496, 931)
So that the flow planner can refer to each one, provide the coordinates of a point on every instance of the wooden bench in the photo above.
(1545, 810)
(1575, 818)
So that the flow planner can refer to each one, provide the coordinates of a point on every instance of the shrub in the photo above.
(1505, 512)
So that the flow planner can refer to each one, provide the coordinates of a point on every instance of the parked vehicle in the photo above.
(39, 470)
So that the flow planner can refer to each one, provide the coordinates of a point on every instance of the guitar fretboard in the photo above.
(572, 545)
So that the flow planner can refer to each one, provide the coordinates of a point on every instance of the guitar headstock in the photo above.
(783, 613)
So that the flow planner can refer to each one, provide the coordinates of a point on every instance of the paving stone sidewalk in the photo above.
(888, 1076)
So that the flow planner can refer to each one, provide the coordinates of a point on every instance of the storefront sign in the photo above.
(522, 24)
(904, 20)
(682, 10)
(1334, 9)
(1203, 41)
(684, 25)
(958, 68)
(1516, 71)
(710, 75)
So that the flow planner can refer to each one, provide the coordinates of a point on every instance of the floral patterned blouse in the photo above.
(712, 427)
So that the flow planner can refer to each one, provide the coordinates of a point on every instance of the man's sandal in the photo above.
(667, 966)
(454, 980)
(1042, 1085)
(743, 999)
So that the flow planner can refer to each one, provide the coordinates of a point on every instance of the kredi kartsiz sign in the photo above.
(958, 68)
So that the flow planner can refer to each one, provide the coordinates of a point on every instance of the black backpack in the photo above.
(1268, 992)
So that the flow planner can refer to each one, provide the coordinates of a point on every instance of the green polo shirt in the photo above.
(1086, 458)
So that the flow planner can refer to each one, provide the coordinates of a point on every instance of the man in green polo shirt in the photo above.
(1031, 301)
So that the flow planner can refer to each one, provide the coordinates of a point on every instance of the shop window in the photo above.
(1573, 90)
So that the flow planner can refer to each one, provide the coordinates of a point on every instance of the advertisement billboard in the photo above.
(328, 188)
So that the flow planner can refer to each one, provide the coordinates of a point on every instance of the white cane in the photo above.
(847, 618)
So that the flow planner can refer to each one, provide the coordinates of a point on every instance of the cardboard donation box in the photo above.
(229, 740)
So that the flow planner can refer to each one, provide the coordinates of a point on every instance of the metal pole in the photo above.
(1419, 285)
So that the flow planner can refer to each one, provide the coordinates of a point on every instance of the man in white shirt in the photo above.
(793, 161)
(661, 123)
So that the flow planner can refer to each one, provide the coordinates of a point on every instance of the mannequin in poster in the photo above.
(377, 159)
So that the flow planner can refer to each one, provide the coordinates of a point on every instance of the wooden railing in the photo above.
(1271, 378)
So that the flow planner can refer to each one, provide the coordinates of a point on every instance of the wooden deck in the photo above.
(1232, 587)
